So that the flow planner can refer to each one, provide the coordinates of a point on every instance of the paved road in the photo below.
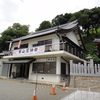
(16, 90)
(83, 95)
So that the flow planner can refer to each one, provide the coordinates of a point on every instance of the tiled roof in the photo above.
(49, 31)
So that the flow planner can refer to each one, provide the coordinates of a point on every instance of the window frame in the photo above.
(49, 70)
(22, 46)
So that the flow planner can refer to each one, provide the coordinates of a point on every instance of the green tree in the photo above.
(93, 51)
(89, 20)
(58, 20)
(15, 31)
(44, 25)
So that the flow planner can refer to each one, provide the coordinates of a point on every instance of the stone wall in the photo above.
(84, 81)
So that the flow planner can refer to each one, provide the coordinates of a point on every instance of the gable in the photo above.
(71, 35)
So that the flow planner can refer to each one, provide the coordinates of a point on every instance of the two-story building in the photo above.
(46, 53)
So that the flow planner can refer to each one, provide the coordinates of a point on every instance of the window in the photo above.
(53, 67)
(34, 45)
(44, 42)
(47, 43)
(34, 68)
(38, 67)
(22, 46)
(41, 43)
(47, 67)
(15, 48)
(44, 67)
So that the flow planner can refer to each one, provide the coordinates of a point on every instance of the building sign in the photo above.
(27, 51)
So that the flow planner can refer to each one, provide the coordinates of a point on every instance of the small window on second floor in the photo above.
(48, 41)
(15, 48)
(34, 45)
(22, 46)
(45, 42)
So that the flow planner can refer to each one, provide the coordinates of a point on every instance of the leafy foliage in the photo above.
(44, 25)
(15, 31)
(89, 20)
(58, 20)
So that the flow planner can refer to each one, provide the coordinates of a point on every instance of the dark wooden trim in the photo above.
(68, 41)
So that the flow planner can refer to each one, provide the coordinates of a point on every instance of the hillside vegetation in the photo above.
(89, 21)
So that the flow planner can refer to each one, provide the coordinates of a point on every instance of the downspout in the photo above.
(68, 70)
(68, 64)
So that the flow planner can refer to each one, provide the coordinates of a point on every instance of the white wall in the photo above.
(54, 38)
(1, 64)
(49, 77)
(13, 68)
(0, 67)
(58, 65)
(44, 77)
(72, 36)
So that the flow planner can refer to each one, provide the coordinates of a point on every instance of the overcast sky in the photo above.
(33, 12)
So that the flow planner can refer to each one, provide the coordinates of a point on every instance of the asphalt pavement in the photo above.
(23, 90)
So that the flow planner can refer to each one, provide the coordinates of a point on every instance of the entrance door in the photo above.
(63, 68)
(22, 70)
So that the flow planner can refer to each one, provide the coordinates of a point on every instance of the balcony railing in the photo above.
(50, 48)
(66, 47)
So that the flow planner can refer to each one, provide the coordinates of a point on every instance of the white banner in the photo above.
(27, 51)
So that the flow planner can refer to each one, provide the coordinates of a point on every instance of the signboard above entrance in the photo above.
(27, 51)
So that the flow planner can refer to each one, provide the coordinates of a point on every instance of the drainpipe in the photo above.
(68, 64)
(68, 70)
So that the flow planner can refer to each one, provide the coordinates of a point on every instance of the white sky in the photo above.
(33, 12)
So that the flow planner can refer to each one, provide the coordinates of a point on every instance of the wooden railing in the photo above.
(73, 50)
(66, 47)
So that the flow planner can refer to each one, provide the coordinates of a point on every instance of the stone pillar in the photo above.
(58, 65)
(85, 64)
(58, 69)
(30, 71)
(91, 62)
(92, 66)
(71, 66)
(79, 67)
(0, 66)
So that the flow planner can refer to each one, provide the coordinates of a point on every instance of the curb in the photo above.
(2, 77)
(10, 79)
